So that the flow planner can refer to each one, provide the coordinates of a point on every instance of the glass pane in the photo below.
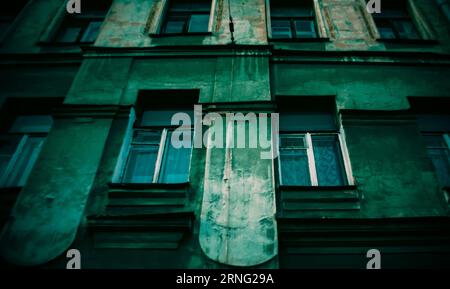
(441, 161)
(406, 29)
(91, 32)
(328, 160)
(281, 29)
(141, 164)
(69, 34)
(435, 141)
(176, 162)
(386, 32)
(8, 145)
(294, 167)
(198, 23)
(175, 24)
(24, 164)
(305, 29)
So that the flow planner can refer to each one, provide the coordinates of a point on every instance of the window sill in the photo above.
(317, 188)
(162, 35)
(144, 198)
(309, 201)
(299, 40)
(147, 186)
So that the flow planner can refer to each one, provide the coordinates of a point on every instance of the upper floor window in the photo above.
(152, 152)
(293, 20)
(438, 149)
(183, 17)
(435, 129)
(395, 21)
(20, 147)
(312, 149)
(8, 13)
(83, 27)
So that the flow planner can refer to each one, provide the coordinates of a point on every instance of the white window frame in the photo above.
(310, 154)
(122, 161)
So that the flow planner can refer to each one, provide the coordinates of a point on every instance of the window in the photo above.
(8, 13)
(435, 129)
(394, 21)
(151, 156)
(438, 149)
(184, 17)
(312, 149)
(311, 160)
(83, 27)
(20, 147)
(290, 20)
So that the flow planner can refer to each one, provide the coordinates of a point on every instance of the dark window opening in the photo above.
(83, 27)
(187, 17)
(290, 20)
(394, 22)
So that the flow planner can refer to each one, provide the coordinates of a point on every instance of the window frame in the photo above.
(161, 23)
(24, 136)
(425, 32)
(54, 28)
(122, 162)
(346, 165)
(83, 23)
(446, 138)
(392, 20)
(319, 24)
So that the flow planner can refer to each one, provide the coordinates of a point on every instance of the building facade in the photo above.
(356, 105)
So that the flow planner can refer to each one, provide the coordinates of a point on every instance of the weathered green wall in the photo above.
(69, 183)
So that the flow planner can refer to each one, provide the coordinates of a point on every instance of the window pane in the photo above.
(142, 157)
(294, 167)
(141, 164)
(305, 29)
(328, 160)
(435, 141)
(175, 24)
(386, 32)
(91, 32)
(441, 161)
(69, 34)
(281, 29)
(198, 23)
(8, 145)
(294, 161)
(24, 164)
(176, 162)
(406, 29)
